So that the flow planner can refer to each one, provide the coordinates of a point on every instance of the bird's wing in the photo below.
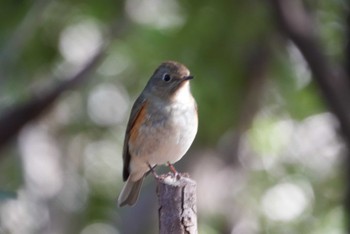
(138, 111)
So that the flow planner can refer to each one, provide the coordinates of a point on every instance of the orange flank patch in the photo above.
(140, 118)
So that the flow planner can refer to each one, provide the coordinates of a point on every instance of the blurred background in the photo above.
(267, 158)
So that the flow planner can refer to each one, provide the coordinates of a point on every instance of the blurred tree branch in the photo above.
(16, 117)
(295, 22)
(332, 79)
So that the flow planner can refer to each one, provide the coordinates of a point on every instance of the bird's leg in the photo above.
(151, 169)
(173, 170)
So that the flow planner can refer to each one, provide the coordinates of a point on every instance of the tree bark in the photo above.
(177, 204)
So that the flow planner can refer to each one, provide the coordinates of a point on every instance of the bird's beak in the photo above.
(188, 77)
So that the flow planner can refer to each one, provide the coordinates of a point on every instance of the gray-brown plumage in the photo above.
(162, 126)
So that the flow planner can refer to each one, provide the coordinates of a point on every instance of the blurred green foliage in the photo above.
(219, 42)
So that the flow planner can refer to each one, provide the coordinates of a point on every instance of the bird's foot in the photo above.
(174, 171)
(156, 176)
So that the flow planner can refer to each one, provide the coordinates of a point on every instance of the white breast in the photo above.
(184, 118)
(169, 138)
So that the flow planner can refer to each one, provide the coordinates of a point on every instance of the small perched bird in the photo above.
(162, 126)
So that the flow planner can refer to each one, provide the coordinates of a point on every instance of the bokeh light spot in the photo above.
(41, 159)
(102, 166)
(108, 104)
(80, 41)
(284, 202)
(161, 14)
(100, 228)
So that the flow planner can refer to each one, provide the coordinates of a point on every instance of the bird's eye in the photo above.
(166, 77)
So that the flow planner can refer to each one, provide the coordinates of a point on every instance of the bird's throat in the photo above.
(183, 93)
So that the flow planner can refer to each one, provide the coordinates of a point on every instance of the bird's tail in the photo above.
(130, 192)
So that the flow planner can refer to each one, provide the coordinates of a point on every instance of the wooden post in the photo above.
(177, 204)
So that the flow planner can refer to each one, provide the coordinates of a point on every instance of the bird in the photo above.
(162, 126)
